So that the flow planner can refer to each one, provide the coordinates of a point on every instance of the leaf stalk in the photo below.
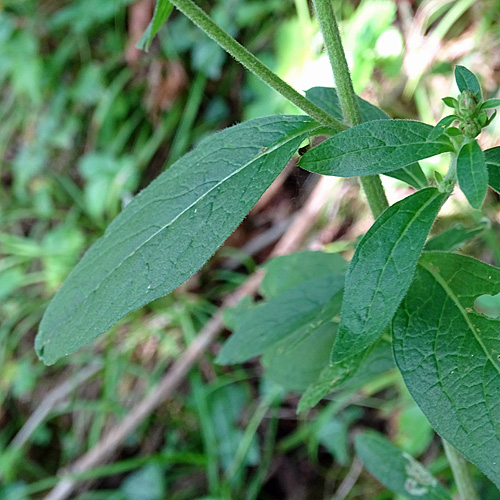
(254, 65)
(372, 185)
(463, 479)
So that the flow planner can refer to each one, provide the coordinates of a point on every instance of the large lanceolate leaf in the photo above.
(374, 147)
(381, 271)
(327, 99)
(169, 230)
(397, 470)
(449, 354)
(472, 173)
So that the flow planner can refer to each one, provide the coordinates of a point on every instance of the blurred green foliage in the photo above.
(81, 131)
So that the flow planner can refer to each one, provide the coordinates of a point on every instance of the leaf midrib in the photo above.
(444, 285)
(412, 220)
(371, 148)
(312, 126)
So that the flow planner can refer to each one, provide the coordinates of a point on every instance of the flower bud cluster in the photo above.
(469, 118)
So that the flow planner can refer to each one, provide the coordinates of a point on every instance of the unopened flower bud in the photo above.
(467, 104)
(470, 128)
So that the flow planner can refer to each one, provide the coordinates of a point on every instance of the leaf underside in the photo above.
(382, 269)
(449, 355)
(169, 230)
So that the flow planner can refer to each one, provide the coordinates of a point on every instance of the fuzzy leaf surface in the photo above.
(492, 159)
(327, 99)
(375, 147)
(449, 355)
(397, 470)
(381, 271)
(169, 230)
(472, 173)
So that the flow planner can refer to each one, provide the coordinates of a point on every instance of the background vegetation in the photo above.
(86, 121)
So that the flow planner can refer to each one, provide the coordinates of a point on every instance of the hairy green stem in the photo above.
(372, 185)
(461, 473)
(333, 44)
(249, 61)
(375, 194)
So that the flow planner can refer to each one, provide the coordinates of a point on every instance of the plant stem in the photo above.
(375, 194)
(338, 62)
(461, 473)
(249, 61)
(348, 99)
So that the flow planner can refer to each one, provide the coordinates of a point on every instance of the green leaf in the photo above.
(287, 271)
(307, 305)
(456, 236)
(374, 147)
(472, 173)
(327, 99)
(449, 355)
(378, 360)
(492, 159)
(169, 230)
(453, 132)
(163, 9)
(441, 125)
(297, 361)
(397, 470)
(412, 175)
(381, 271)
(490, 103)
(450, 102)
(466, 80)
